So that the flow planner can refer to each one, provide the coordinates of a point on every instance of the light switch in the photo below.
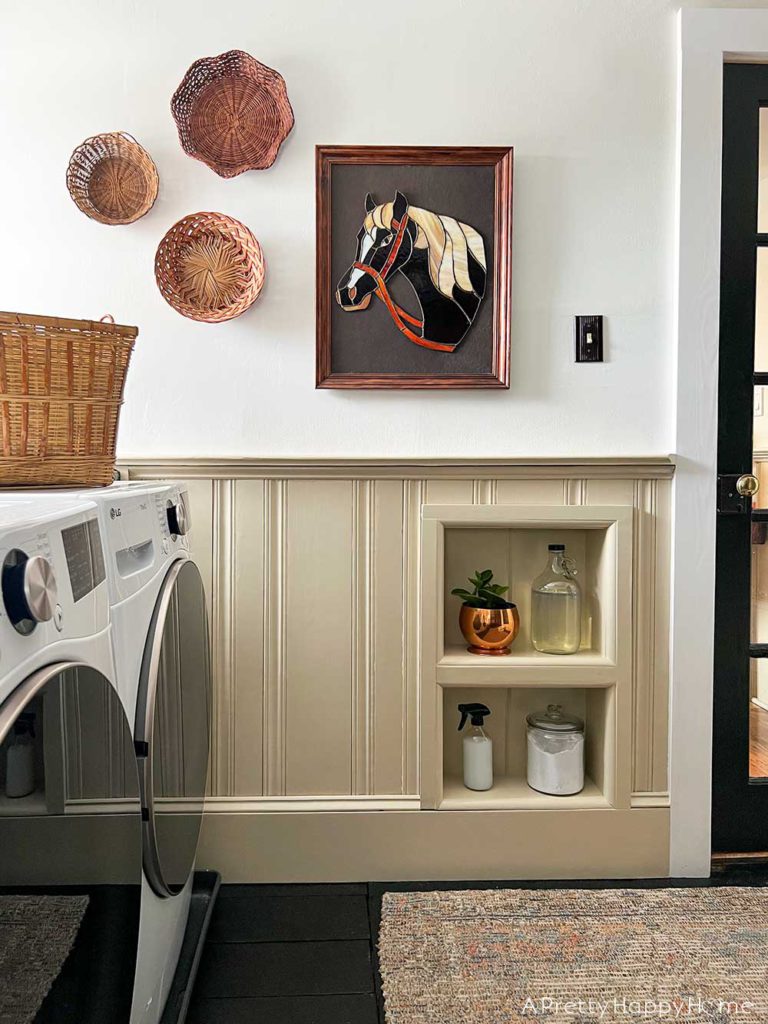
(589, 339)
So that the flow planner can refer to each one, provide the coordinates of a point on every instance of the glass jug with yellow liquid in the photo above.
(556, 605)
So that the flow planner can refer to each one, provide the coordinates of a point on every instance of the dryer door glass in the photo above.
(173, 719)
(70, 851)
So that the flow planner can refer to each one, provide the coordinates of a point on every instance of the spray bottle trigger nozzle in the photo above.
(477, 712)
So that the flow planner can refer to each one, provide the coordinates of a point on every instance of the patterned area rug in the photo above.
(571, 955)
(36, 935)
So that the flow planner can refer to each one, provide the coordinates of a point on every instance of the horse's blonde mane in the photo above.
(447, 241)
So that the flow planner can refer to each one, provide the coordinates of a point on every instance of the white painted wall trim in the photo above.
(707, 38)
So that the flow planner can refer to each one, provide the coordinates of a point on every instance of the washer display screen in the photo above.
(85, 557)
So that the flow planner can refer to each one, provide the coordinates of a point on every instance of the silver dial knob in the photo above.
(29, 590)
(178, 518)
(40, 589)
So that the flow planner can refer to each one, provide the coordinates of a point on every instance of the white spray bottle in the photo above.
(477, 748)
(20, 758)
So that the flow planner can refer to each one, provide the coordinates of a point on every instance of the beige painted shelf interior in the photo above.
(593, 683)
(514, 793)
(506, 726)
(517, 555)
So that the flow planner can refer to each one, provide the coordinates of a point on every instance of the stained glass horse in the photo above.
(442, 258)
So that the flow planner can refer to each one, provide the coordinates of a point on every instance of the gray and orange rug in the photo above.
(698, 956)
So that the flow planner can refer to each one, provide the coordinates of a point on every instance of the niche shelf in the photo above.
(594, 683)
(506, 726)
(587, 667)
(513, 793)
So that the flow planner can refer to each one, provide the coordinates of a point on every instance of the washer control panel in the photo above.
(29, 588)
(172, 511)
(144, 526)
(85, 556)
(177, 516)
(51, 568)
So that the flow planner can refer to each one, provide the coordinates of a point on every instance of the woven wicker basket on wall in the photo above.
(61, 387)
(232, 112)
(112, 179)
(210, 267)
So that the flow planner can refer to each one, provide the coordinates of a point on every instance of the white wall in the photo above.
(583, 89)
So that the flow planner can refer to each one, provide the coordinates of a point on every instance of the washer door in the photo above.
(172, 728)
(70, 850)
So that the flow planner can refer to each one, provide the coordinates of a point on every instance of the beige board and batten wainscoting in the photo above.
(334, 649)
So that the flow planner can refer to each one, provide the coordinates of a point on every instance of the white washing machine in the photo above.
(162, 665)
(53, 606)
(70, 810)
(145, 595)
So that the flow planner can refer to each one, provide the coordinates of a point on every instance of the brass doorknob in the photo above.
(747, 485)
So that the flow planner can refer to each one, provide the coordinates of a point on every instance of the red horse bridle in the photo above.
(399, 316)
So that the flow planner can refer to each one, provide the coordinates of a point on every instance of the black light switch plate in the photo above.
(589, 339)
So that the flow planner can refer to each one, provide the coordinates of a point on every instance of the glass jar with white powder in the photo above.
(555, 752)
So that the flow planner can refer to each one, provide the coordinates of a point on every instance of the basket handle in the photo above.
(106, 319)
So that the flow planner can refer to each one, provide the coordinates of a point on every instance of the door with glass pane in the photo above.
(740, 764)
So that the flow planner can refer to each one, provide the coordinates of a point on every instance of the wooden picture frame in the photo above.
(468, 172)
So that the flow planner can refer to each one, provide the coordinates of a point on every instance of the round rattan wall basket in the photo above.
(209, 267)
(112, 179)
(232, 112)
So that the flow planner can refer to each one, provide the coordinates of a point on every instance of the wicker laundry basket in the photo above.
(61, 387)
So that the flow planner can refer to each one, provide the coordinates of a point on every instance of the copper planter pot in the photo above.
(489, 630)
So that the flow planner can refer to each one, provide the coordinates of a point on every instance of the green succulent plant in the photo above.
(484, 594)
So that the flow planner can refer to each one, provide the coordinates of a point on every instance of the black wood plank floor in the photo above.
(306, 954)
(287, 954)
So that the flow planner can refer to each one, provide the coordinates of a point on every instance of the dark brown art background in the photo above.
(368, 341)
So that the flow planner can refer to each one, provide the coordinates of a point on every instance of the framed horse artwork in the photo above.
(414, 266)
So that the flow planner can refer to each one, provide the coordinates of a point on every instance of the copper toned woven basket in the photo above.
(61, 387)
(112, 178)
(209, 267)
(232, 113)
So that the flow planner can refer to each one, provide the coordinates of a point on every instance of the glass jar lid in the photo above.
(554, 719)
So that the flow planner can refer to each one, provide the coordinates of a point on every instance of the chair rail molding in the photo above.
(213, 468)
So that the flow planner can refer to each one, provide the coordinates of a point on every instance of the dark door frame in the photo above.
(739, 807)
